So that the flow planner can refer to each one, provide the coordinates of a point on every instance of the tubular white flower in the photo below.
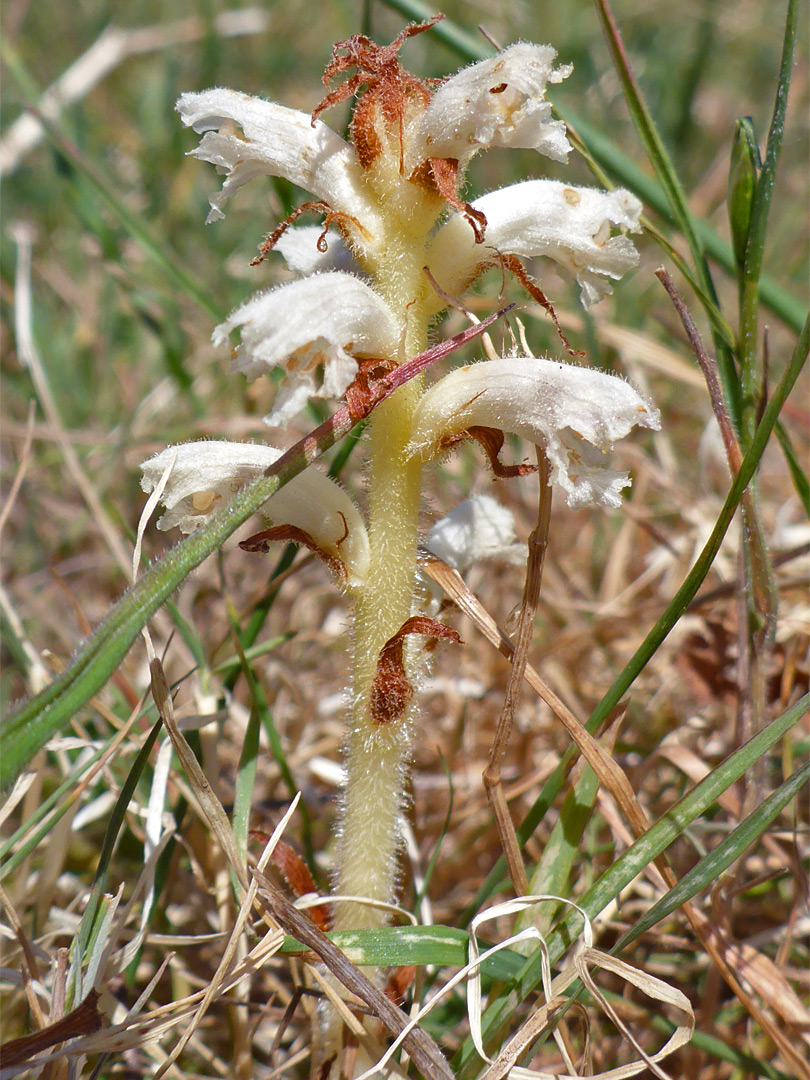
(324, 321)
(570, 225)
(274, 141)
(478, 528)
(575, 414)
(206, 475)
(497, 102)
(299, 246)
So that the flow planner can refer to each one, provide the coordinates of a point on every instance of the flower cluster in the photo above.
(397, 241)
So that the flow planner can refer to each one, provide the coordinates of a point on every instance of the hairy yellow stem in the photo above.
(377, 754)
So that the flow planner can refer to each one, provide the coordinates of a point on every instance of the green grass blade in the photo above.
(89, 923)
(553, 873)
(797, 471)
(754, 251)
(670, 182)
(395, 946)
(43, 814)
(688, 590)
(709, 869)
(245, 779)
(29, 726)
(655, 841)
(673, 613)
(710, 1044)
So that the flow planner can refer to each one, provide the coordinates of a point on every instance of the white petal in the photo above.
(300, 251)
(497, 102)
(274, 141)
(571, 225)
(206, 475)
(478, 528)
(315, 329)
(574, 413)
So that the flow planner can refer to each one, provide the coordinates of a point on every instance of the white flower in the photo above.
(299, 246)
(575, 414)
(496, 102)
(315, 329)
(206, 475)
(478, 528)
(571, 225)
(246, 136)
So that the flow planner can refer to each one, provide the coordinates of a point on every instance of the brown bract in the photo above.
(389, 86)
(260, 542)
(391, 691)
(391, 93)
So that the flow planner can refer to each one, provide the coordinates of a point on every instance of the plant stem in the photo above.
(377, 753)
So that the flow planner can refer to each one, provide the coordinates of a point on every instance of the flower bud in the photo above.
(742, 184)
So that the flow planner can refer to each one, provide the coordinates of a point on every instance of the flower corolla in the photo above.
(478, 528)
(206, 475)
(315, 329)
(575, 414)
(497, 102)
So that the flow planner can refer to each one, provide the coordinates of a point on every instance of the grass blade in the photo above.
(656, 840)
(709, 869)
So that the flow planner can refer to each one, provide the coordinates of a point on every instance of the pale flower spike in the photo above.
(575, 414)
(206, 475)
(390, 200)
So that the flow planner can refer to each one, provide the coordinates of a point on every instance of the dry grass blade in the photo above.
(586, 956)
(614, 780)
(423, 1050)
(610, 775)
(112, 47)
(538, 544)
(83, 1020)
(209, 804)
(214, 988)
(23, 325)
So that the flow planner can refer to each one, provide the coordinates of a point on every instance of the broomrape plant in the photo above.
(398, 241)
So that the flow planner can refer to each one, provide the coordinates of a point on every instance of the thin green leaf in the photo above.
(25, 844)
(709, 869)
(685, 594)
(552, 874)
(131, 222)
(397, 946)
(29, 726)
(797, 471)
(674, 610)
(748, 1065)
(669, 180)
(245, 779)
(95, 906)
(655, 841)
(32, 723)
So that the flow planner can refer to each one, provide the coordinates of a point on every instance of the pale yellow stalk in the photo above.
(376, 756)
